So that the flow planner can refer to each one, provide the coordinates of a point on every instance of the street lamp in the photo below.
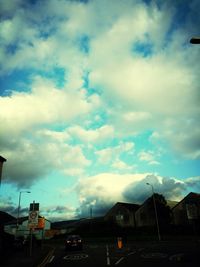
(2, 160)
(156, 215)
(195, 40)
(19, 205)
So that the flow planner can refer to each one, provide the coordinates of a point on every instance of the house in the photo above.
(187, 210)
(5, 217)
(123, 214)
(146, 215)
(23, 229)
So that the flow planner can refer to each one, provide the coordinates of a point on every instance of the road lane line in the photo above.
(108, 256)
(46, 259)
(122, 258)
(131, 253)
(51, 259)
(119, 260)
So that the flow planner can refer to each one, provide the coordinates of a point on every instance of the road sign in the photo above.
(33, 218)
(34, 206)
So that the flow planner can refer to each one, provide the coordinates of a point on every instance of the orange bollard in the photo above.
(119, 242)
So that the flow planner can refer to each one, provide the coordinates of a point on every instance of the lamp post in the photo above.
(20, 193)
(195, 40)
(156, 215)
(91, 212)
(2, 160)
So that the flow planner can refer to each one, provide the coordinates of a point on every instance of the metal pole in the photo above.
(90, 211)
(2, 160)
(31, 234)
(18, 209)
(156, 215)
(31, 241)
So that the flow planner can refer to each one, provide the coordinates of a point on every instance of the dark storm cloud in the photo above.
(99, 208)
(12, 209)
(193, 183)
(58, 213)
(24, 170)
(169, 187)
(9, 209)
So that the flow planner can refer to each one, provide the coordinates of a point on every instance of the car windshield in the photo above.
(74, 237)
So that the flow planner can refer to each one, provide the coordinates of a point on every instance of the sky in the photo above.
(98, 98)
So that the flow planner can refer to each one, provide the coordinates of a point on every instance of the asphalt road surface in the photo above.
(131, 254)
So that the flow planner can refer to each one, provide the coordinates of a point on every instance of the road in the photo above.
(132, 254)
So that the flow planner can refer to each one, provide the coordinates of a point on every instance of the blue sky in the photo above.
(96, 99)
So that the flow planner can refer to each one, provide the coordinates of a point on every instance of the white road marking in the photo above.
(119, 260)
(75, 257)
(122, 258)
(108, 256)
(51, 259)
(131, 253)
(154, 255)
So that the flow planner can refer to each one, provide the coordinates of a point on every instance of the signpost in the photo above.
(33, 221)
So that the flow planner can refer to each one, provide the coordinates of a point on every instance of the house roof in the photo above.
(189, 197)
(129, 206)
(5, 217)
(2, 159)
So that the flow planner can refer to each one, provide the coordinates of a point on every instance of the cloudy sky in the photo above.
(97, 98)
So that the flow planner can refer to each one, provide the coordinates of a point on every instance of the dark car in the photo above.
(73, 242)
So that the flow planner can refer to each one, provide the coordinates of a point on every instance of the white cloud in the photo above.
(159, 91)
(149, 157)
(45, 104)
(121, 165)
(97, 135)
(147, 92)
(107, 186)
(110, 154)
(32, 159)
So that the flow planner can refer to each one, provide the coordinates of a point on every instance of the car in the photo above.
(73, 242)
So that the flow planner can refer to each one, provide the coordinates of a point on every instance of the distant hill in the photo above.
(75, 223)
(5, 217)
(63, 224)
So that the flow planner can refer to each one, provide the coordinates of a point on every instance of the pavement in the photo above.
(38, 257)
